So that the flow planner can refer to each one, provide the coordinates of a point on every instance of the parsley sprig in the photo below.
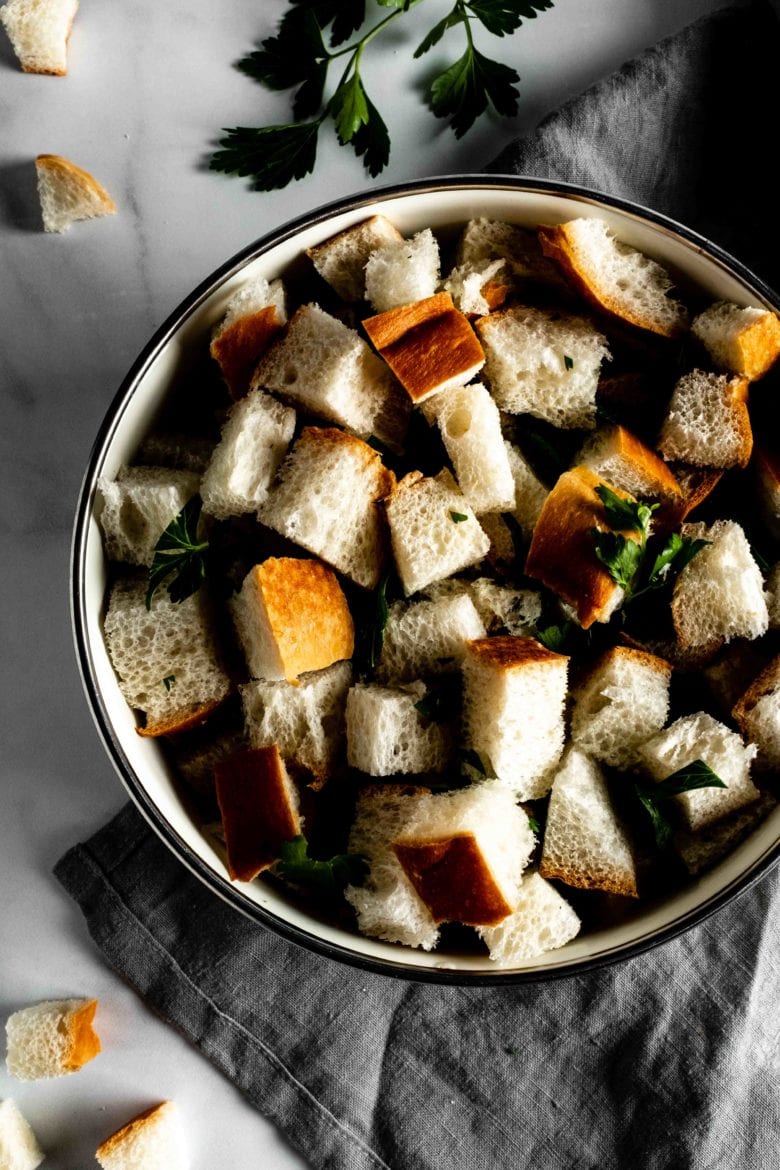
(695, 775)
(324, 878)
(180, 554)
(298, 58)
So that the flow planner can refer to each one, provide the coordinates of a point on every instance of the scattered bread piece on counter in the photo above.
(433, 530)
(326, 500)
(402, 271)
(38, 31)
(429, 346)
(305, 721)
(623, 701)
(326, 368)
(614, 276)
(700, 737)
(543, 363)
(254, 441)
(701, 850)
(259, 807)
(19, 1149)
(153, 1140)
(707, 422)
(253, 318)
(138, 505)
(427, 637)
(465, 851)
(563, 553)
(757, 714)
(341, 259)
(542, 921)
(585, 844)
(470, 427)
(620, 458)
(51, 1039)
(292, 618)
(719, 595)
(743, 341)
(165, 657)
(388, 734)
(68, 193)
(513, 711)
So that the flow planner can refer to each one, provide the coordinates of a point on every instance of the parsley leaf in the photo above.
(326, 878)
(625, 515)
(621, 557)
(568, 362)
(694, 775)
(533, 824)
(169, 681)
(346, 16)
(458, 517)
(437, 32)
(286, 59)
(465, 89)
(555, 637)
(372, 141)
(502, 17)
(478, 763)
(349, 108)
(271, 155)
(180, 555)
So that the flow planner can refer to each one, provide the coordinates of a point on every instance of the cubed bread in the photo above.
(696, 483)
(253, 318)
(19, 1149)
(254, 441)
(477, 289)
(306, 722)
(530, 492)
(707, 421)
(620, 458)
(259, 807)
(38, 31)
(402, 271)
(433, 530)
(757, 714)
(387, 904)
(152, 1140)
(505, 609)
(427, 637)
(327, 369)
(137, 508)
(429, 346)
(464, 853)
(740, 341)
(700, 737)
(542, 921)
(387, 735)
(163, 448)
(719, 595)
(701, 850)
(292, 618)
(513, 710)
(543, 363)
(585, 845)
(68, 193)
(623, 701)
(341, 259)
(773, 597)
(165, 658)
(470, 427)
(51, 1039)
(326, 500)
(563, 552)
(504, 543)
(614, 276)
(767, 478)
(484, 240)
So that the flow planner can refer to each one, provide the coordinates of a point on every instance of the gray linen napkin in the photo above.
(668, 1062)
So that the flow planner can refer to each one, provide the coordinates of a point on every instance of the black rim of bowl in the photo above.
(219, 885)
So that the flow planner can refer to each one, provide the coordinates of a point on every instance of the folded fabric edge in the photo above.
(317, 1134)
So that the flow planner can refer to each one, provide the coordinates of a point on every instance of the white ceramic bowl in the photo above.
(438, 204)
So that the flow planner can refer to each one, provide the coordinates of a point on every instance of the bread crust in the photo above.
(506, 652)
(635, 654)
(609, 881)
(660, 480)
(563, 554)
(84, 1040)
(180, 720)
(695, 485)
(452, 877)
(259, 809)
(558, 244)
(147, 1118)
(764, 683)
(428, 345)
(62, 168)
(238, 348)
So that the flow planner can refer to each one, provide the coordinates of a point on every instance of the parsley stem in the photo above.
(466, 21)
(358, 46)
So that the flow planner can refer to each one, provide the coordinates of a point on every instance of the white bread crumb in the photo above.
(67, 192)
(542, 921)
(403, 271)
(254, 441)
(19, 1149)
(38, 31)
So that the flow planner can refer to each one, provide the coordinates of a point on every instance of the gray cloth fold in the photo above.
(668, 1062)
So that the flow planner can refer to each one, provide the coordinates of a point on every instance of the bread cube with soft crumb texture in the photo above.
(19, 1149)
(742, 341)
(254, 441)
(341, 259)
(623, 701)
(387, 734)
(707, 422)
(152, 1140)
(253, 318)
(427, 637)
(470, 427)
(51, 1039)
(542, 921)
(402, 271)
(138, 505)
(433, 530)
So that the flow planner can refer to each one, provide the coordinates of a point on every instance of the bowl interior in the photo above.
(441, 206)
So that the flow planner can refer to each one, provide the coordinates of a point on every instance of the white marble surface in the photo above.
(149, 86)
